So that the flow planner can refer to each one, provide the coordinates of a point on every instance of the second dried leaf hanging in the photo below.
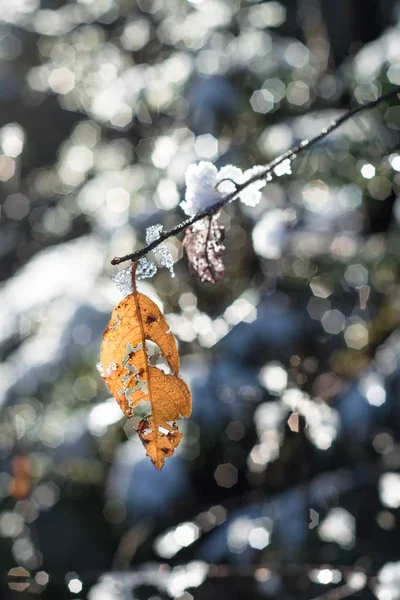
(204, 244)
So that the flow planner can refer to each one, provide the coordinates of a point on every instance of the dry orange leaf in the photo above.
(131, 379)
(21, 482)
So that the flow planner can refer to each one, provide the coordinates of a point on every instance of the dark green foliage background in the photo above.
(104, 104)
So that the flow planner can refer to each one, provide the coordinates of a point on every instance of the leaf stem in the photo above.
(289, 154)
(133, 271)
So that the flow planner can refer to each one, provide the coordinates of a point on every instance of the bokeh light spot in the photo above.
(226, 475)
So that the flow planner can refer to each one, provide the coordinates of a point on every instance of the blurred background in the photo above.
(287, 482)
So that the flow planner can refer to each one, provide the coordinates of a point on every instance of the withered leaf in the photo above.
(156, 440)
(132, 380)
(21, 483)
(204, 244)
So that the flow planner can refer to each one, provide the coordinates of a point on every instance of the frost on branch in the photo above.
(200, 188)
(284, 168)
(123, 279)
(161, 252)
(204, 248)
(206, 185)
(145, 269)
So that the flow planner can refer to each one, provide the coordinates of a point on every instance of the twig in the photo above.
(289, 154)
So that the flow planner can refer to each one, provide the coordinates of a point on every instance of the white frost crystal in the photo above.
(284, 168)
(161, 252)
(123, 281)
(100, 369)
(109, 370)
(200, 187)
(203, 191)
(146, 268)
(228, 172)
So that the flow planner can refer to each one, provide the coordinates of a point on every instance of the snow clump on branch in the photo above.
(206, 185)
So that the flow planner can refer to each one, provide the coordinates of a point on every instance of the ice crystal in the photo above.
(256, 171)
(146, 268)
(200, 188)
(100, 369)
(251, 195)
(161, 252)
(206, 186)
(284, 168)
(227, 177)
(123, 281)
(109, 370)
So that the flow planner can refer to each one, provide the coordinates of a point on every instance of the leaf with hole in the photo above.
(135, 383)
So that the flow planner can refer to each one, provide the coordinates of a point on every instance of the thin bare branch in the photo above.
(263, 174)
